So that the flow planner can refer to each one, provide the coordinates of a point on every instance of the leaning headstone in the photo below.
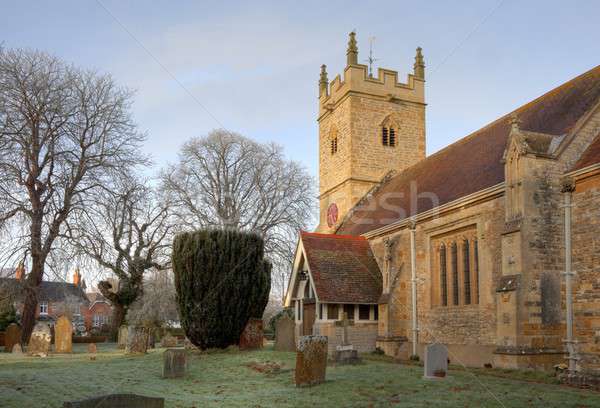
(188, 345)
(137, 340)
(39, 342)
(12, 336)
(168, 341)
(346, 353)
(436, 361)
(311, 360)
(175, 363)
(122, 337)
(284, 334)
(63, 335)
(252, 336)
(17, 349)
(117, 401)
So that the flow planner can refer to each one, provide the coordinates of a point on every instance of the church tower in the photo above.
(368, 126)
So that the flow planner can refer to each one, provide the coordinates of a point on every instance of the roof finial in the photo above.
(352, 52)
(515, 123)
(419, 67)
(323, 81)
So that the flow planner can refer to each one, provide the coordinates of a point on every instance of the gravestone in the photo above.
(284, 334)
(39, 342)
(252, 336)
(311, 360)
(175, 363)
(137, 340)
(63, 335)
(122, 337)
(168, 341)
(436, 361)
(92, 348)
(12, 336)
(346, 353)
(117, 401)
(17, 349)
(188, 345)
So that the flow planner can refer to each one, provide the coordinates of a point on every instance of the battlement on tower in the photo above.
(384, 86)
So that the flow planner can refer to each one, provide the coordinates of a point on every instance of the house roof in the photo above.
(342, 267)
(48, 291)
(473, 163)
(590, 156)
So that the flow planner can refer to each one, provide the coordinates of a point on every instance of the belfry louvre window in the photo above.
(388, 136)
(334, 145)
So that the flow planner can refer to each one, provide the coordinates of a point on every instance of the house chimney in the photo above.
(76, 277)
(20, 271)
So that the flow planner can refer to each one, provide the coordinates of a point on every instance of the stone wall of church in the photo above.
(464, 325)
(586, 264)
(541, 293)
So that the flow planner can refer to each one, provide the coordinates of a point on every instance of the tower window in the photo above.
(388, 136)
(392, 137)
(334, 145)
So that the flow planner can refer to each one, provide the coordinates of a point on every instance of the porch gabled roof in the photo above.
(342, 267)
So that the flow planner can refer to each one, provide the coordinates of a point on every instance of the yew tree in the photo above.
(222, 280)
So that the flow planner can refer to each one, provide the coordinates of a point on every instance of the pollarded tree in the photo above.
(225, 180)
(126, 230)
(63, 131)
(222, 280)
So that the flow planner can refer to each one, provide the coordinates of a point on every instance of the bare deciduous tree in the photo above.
(127, 231)
(157, 307)
(227, 180)
(63, 130)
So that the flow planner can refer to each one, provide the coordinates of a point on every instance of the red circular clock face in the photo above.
(332, 215)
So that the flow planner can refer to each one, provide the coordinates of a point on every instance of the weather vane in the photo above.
(371, 60)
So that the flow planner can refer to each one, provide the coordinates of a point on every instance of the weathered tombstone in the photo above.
(118, 401)
(345, 353)
(311, 360)
(122, 337)
(137, 340)
(284, 334)
(151, 338)
(168, 341)
(92, 348)
(436, 361)
(39, 342)
(63, 335)
(252, 336)
(12, 336)
(17, 349)
(175, 363)
(188, 345)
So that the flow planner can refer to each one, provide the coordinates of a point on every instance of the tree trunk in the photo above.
(118, 317)
(30, 302)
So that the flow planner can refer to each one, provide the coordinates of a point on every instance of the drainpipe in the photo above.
(413, 280)
(568, 280)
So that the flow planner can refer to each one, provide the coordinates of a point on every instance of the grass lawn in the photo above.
(235, 379)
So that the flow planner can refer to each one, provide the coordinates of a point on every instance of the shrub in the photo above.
(222, 280)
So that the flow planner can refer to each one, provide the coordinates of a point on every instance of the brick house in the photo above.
(99, 312)
(54, 298)
(472, 242)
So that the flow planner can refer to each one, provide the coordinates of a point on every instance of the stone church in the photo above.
(490, 246)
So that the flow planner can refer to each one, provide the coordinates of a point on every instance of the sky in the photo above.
(253, 67)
